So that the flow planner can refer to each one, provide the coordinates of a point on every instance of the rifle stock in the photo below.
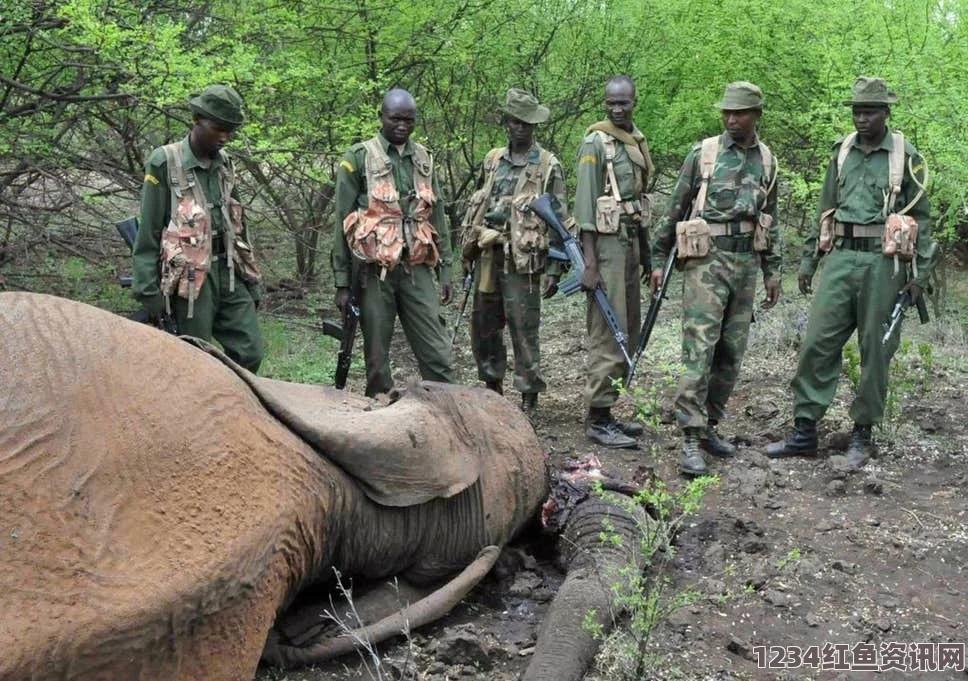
(541, 207)
(901, 304)
(468, 280)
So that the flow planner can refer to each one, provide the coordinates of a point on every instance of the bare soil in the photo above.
(783, 553)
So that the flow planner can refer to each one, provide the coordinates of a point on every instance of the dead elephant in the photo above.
(159, 510)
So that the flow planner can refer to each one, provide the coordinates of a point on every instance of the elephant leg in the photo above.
(565, 648)
(424, 611)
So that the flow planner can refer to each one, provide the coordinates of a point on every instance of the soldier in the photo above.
(611, 211)
(191, 257)
(872, 205)
(510, 245)
(388, 204)
(721, 215)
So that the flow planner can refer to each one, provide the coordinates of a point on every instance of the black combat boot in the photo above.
(861, 447)
(631, 428)
(529, 403)
(602, 428)
(803, 441)
(715, 445)
(691, 461)
(496, 386)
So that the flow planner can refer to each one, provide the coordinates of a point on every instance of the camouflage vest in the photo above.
(708, 154)
(527, 240)
(380, 233)
(186, 242)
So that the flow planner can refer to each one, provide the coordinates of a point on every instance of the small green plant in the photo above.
(792, 556)
(852, 363)
(642, 588)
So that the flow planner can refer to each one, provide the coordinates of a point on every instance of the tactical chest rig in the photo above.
(380, 233)
(526, 239)
(186, 242)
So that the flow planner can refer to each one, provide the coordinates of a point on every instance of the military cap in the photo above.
(741, 95)
(524, 106)
(870, 92)
(220, 103)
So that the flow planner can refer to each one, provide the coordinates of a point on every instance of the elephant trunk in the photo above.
(599, 541)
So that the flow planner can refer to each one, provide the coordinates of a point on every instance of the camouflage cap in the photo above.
(741, 95)
(219, 103)
(870, 92)
(524, 106)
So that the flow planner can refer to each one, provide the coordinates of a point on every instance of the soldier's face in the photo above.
(210, 136)
(619, 103)
(741, 125)
(399, 119)
(870, 121)
(519, 132)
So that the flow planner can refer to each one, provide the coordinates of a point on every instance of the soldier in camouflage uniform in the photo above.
(510, 246)
(858, 285)
(396, 285)
(206, 229)
(718, 289)
(611, 210)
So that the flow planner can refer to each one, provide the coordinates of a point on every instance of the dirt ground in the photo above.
(782, 553)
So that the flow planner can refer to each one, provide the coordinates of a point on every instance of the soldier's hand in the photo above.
(914, 289)
(551, 286)
(342, 298)
(804, 281)
(590, 279)
(772, 293)
(655, 280)
(446, 293)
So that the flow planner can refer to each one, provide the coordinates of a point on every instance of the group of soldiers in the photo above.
(391, 253)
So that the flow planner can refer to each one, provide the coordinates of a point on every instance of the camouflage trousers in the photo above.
(227, 316)
(618, 265)
(411, 293)
(717, 293)
(517, 304)
(856, 290)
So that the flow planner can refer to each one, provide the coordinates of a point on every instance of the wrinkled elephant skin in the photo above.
(155, 518)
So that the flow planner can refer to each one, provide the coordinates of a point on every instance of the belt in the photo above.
(852, 230)
(732, 244)
(734, 228)
(858, 243)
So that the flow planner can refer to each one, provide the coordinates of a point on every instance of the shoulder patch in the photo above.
(588, 158)
(346, 164)
(151, 178)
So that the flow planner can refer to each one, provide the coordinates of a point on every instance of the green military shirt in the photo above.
(632, 180)
(506, 179)
(858, 193)
(737, 191)
(156, 213)
(351, 193)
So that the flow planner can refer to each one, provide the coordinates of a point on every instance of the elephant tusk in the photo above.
(428, 609)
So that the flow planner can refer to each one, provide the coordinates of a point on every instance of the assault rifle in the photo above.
(901, 304)
(468, 279)
(128, 229)
(541, 207)
(351, 319)
(653, 314)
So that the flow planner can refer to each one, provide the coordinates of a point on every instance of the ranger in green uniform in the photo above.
(875, 179)
(611, 210)
(191, 255)
(393, 237)
(728, 186)
(510, 245)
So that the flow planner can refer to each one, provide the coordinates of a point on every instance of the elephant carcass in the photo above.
(155, 517)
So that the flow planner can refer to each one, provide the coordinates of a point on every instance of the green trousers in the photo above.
(411, 293)
(227, 316)
(618, 266)
(718, 295)
(517, 304)
(857, 290)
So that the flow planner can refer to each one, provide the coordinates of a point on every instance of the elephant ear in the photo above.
(414, 450)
